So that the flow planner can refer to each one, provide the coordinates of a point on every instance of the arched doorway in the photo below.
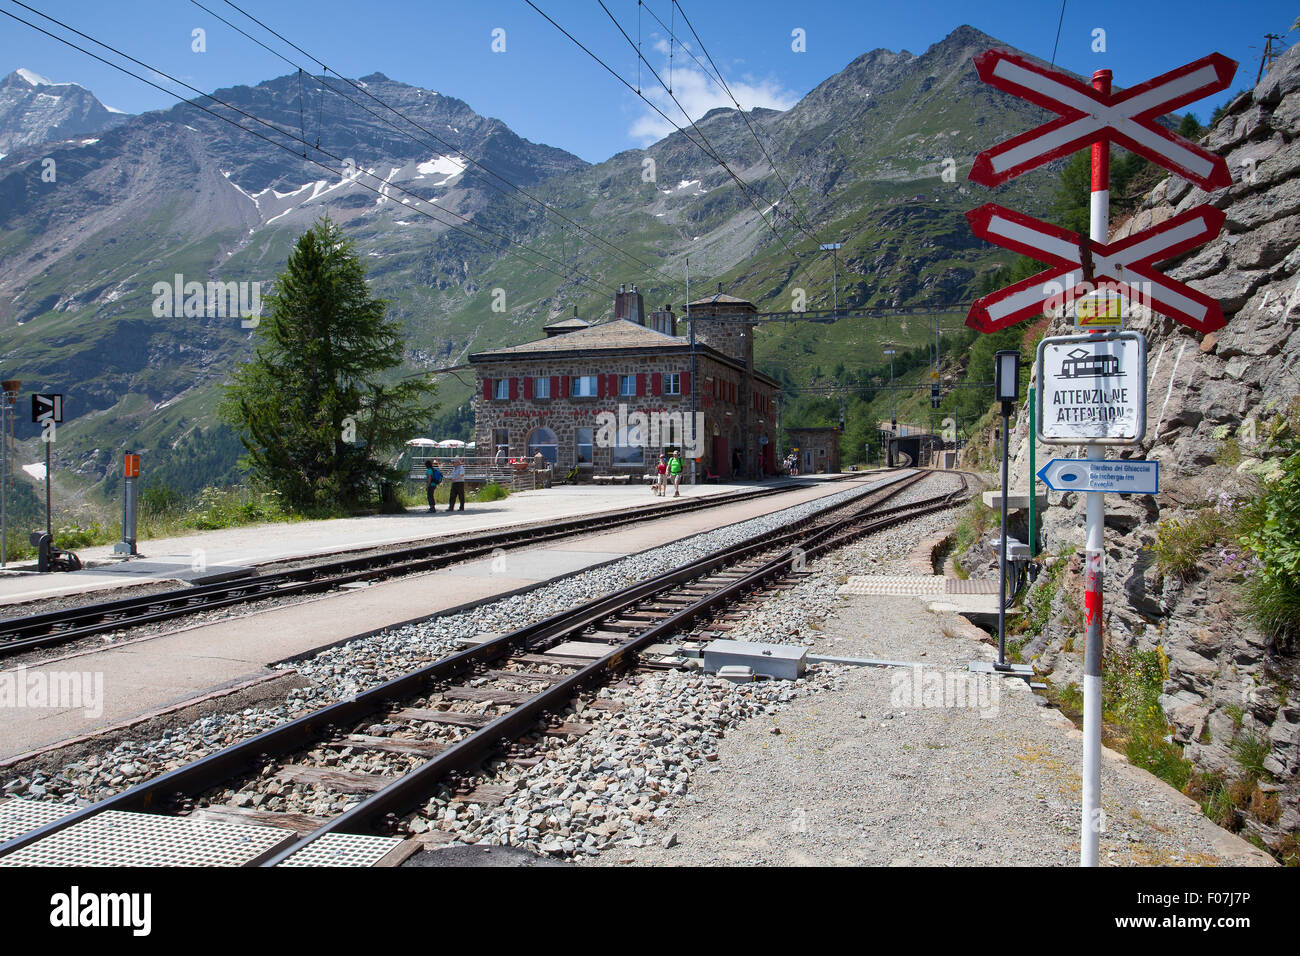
(543, 439)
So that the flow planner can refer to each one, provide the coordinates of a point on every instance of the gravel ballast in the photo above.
(347, 669)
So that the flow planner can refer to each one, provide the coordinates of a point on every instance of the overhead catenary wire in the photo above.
(711, 151)
(566, 276)
(716, 76)
(614, 73)
(623, 253)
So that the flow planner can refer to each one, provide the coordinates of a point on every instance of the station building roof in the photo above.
(616, 337)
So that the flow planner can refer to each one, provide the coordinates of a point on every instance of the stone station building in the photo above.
(819, 449)
(608, 397)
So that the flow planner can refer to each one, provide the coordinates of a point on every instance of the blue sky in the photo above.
(548, 90)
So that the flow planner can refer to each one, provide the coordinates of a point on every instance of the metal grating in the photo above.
(972, 586)
(343, 849)
(118, 838)
(919, 585)
(18, 816)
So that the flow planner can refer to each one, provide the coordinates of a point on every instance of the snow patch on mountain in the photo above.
(35, 79)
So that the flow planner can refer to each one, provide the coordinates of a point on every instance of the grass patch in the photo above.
(491, 492)
(1181, 542)
(972, 524)
(166, 515)
(1041, 594)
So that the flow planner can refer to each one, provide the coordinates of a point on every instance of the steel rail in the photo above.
(308, 729)
(409, 790)
(50, 628)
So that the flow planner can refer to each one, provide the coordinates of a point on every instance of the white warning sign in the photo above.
(1092, 388)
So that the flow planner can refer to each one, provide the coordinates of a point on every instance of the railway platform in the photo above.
(208, 664)
(211, 555)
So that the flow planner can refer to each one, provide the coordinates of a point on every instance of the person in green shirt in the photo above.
(675, 470)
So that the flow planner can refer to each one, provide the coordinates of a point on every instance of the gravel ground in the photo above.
(861, 775)
(343, 671)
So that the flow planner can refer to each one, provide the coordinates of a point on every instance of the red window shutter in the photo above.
(555, 386)
(564, 386)
(686, 383)
(528, 388)
(602, 385)
(613, 385)
(487, 389)
(514, 389)
(656, 384)
(640, 383)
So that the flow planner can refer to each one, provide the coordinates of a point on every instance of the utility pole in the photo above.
(695, 385)
(1270, 54)
(833, 249)
(890, 352)
(8, 400)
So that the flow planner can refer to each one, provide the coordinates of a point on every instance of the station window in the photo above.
(585, 445)
(627, 385)
(584, 386)
(542, 387)
(628, 448)
(501, 389)
(500, 439)
(672, 383)
(543, 440)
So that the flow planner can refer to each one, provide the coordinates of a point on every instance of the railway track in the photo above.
(427, 727)
(47, 629)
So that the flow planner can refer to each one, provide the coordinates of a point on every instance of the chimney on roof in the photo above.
(663, 321)
(629, 305)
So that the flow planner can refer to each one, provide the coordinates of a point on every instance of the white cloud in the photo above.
(698, 93)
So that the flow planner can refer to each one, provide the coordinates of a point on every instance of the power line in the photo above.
(460, 152)
(717, 157)
(378, 191)
(1058, 33)
(677, 7)
(612, 72)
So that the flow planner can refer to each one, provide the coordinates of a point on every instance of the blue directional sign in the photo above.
(1122, 475)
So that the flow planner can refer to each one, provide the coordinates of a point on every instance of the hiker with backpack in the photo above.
(675, 470)
(433, 478)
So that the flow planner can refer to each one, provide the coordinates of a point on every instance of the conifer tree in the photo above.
(323, 400)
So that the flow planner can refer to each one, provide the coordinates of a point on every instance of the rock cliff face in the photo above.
(1207, 395)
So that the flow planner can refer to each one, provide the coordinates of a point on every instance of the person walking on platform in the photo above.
(457, 485)
(675, 469)
(661, 477)
(433, 478)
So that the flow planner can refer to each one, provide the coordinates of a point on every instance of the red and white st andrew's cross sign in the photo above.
(1089, 116)
(1074, 263)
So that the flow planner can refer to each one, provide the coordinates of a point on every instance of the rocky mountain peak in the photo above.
(35, 110)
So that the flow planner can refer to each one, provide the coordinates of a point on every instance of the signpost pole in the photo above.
(1033, 475)
(49, 521)
(1099, 229)
(1002, 546)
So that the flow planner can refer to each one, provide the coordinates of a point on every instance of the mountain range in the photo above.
(874, 158)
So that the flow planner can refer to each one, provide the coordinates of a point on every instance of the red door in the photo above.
(721, 464)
